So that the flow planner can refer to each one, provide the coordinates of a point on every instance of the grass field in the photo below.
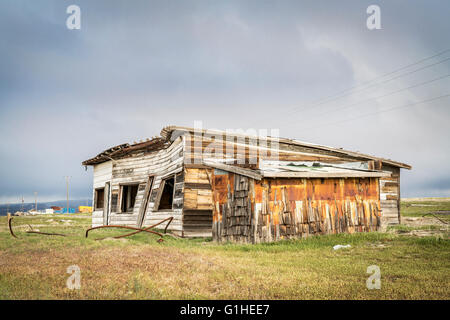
(418, 208)
(35, 266)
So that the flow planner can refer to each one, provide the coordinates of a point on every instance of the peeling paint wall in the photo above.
(246, 210)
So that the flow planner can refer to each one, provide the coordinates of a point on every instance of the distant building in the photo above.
(64, 210)
(46, 211)
(85, 209)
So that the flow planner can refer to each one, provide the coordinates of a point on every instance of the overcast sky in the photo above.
(137, 66)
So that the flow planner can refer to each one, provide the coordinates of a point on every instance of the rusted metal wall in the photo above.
(246, 210)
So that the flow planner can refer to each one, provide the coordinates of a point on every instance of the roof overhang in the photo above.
(125, 149)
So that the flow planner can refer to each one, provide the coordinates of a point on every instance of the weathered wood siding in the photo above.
(102, 174)
(251, 151)
(232, 207)
(197, 214)
(135, 170)
(246, 210)
(390, 197)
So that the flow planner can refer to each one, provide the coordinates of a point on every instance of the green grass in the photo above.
(34, 266)
(420, 208)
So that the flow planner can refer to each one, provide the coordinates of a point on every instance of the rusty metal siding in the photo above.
(252, 211)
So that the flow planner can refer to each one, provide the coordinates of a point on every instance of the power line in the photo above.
(381, 111)
(399, 69)
(324, 100)
(388, 73)
(383, 96)
(376, 84)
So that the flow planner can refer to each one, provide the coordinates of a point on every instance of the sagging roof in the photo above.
(125, 149)
(170, 133)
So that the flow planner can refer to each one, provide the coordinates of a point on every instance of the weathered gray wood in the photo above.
(144, 202)
(136, 169)
(244, 172)
(106, 203)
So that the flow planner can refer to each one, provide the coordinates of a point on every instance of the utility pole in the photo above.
(21, 208)
(67, 185)
(35, 201)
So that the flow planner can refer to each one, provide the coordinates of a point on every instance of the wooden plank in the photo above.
(190, 185)
(391, 197)
(197, 212)
(359, 174)
(244, 172)
(190, 199)
(195, 166)
(196, 175)
(106, 203)
(198, 217)
(144, 202)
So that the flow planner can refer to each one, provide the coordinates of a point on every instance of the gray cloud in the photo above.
(136, 67)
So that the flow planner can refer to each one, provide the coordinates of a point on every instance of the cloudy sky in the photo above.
(136, 66)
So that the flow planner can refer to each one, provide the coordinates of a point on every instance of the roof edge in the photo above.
(166, 133)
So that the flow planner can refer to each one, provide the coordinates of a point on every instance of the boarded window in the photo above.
(99, 198)
(166, 195)
(128, 198)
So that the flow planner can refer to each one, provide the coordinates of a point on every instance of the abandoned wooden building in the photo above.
(242, 188)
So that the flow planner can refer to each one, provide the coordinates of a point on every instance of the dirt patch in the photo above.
(378, 245)
(422, 221)
(123, 240)
(423, 227)
(444, 212)
(425, 199)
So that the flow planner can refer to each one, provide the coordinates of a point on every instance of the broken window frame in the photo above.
(96, 199)
(130, 185)
(162, 185)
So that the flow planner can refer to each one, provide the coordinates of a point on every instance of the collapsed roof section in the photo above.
(170, 133)
(124, 150)
(304, 170)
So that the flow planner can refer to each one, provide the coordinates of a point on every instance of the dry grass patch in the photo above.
(138, 267)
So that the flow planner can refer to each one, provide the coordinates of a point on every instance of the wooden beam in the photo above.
(307, 174)
(144, 202)
(238, 170)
